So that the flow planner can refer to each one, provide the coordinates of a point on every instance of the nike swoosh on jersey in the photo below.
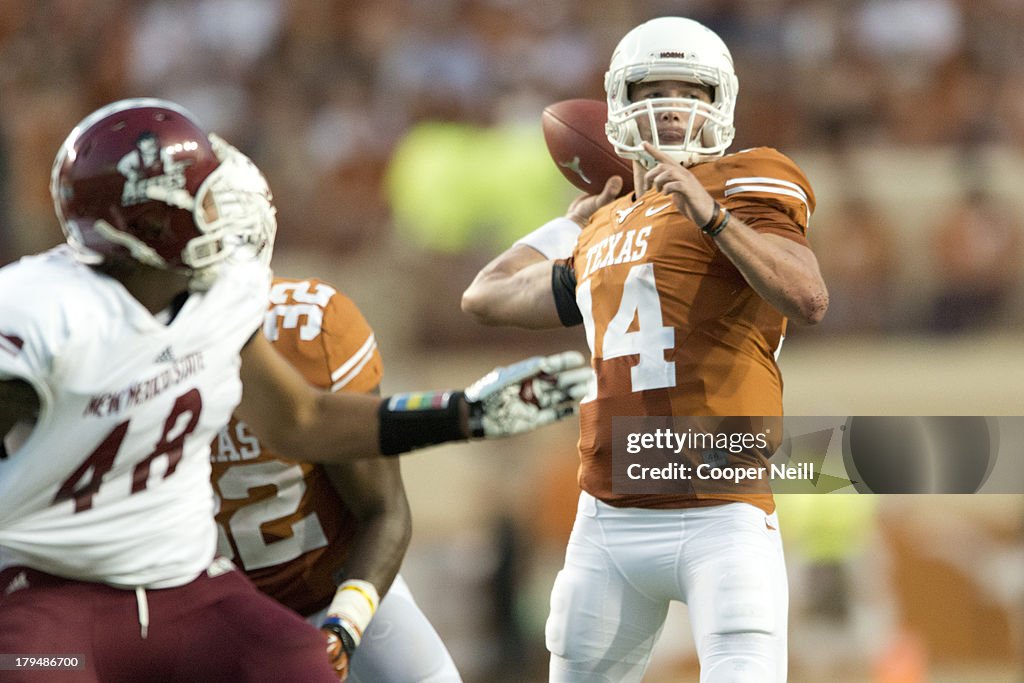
(656, 209)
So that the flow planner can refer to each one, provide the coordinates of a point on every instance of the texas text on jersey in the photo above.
(647, 277)
(282, 521)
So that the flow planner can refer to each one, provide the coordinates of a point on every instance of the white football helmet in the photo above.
(676, 49)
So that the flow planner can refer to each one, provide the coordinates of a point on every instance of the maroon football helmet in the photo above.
(141, 178)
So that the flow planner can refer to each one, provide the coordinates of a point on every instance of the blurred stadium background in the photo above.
(403, 144)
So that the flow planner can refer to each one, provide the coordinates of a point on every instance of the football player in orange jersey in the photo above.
(684, 289)
(307, 534)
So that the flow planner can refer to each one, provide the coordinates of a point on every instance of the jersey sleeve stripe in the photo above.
(341, 383)
(761, 180)
(366, 349)
(770, 189)
(362, 357)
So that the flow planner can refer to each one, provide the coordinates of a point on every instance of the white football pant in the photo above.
(624, 565)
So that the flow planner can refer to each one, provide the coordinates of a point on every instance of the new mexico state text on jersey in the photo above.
(673, 326)
(282, 521)
(113, 483)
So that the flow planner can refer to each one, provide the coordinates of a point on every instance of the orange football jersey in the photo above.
(674, 328)
(279, 520)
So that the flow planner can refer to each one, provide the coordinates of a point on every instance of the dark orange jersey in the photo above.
(673, 327)
(279, 520)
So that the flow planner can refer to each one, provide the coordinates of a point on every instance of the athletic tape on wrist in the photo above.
(555, 239)
(352, 608)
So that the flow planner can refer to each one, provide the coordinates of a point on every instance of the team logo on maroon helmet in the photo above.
(152, 165)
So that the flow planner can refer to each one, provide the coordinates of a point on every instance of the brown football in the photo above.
(574, 133)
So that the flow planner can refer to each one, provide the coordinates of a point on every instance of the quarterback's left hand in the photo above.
(676, 182)
(525, 395)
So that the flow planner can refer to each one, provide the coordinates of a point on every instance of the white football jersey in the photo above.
(112, 483)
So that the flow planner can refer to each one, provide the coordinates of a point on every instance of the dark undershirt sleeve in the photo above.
(563, 286)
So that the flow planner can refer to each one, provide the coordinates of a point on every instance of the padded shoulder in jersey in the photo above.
(70, 303)
(324, 334)
(757, 185)
(239, 297)
(44, 300)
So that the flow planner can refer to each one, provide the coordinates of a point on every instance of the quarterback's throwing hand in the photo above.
(525, 395)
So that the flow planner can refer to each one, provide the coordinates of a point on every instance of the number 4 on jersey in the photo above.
(649, 338)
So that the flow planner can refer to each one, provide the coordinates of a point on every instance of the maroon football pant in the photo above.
(217, 628)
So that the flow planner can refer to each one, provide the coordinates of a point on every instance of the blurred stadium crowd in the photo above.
(323, 93)
(908, 116)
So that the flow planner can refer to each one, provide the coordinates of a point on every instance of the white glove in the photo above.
(528, 394)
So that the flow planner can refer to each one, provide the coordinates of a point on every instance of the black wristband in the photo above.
(410, 421)
(719, 219)
(348, 643)
(716, 209)
(721, 226)
(563, 286)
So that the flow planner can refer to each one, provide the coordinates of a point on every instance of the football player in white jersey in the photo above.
(121, 355)
(684, 289)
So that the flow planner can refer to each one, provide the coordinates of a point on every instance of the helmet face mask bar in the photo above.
(140, 179)
(672, 49)
(234, 210)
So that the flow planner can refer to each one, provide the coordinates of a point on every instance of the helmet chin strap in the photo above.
(139, 250)
(176, 197)
(200, 279)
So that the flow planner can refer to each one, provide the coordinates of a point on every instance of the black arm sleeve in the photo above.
(563, 286)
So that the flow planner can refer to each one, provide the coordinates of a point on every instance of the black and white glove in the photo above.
(525, 395)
